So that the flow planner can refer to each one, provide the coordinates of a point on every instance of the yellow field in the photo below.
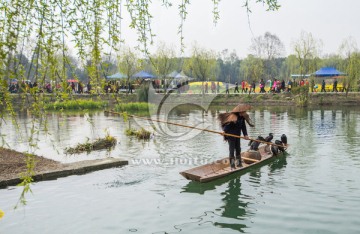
(195, 87)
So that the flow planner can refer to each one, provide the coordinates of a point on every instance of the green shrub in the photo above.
(300, 89)
(143, 92)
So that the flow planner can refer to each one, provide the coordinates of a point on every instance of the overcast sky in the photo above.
(331, 21)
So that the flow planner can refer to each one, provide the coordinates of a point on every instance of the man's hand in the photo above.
(225, 137)
(246, 137)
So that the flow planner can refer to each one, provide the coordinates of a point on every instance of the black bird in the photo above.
(274, 149)
(282, 149)
(284, 139)
(255, 145)
(269, 138)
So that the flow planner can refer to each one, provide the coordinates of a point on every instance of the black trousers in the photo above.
(234, 149)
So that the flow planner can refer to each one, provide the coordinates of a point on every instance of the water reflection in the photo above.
(278, 164)
(236, 204)
(235, 207)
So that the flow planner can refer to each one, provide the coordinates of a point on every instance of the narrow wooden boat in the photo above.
(221, 168)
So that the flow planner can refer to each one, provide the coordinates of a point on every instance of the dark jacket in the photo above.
(235, 128)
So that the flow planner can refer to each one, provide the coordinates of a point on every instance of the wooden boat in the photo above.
(221, 168)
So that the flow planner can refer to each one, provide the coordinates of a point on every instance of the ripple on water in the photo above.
(314, 190)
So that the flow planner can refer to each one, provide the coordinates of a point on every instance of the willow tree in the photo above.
(129, 63)
(202, 64)
(351, 56)
(228, 65)
(290, 66)
(163, 61)
(252, 68)
(93, 27)
(268, 47)
(307, 50)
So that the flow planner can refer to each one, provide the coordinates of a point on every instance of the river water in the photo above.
(313, 189)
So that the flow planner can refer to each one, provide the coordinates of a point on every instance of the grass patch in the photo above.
(134, 107)
(76, 105)
(101, 143)
(140, 134)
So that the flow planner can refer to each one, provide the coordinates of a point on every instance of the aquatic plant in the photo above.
(99, 144)
(140, 134)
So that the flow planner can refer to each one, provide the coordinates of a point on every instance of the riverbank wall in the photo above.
(255, 99)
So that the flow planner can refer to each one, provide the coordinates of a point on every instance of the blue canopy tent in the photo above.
(116, 76)
(328, 72)
(143, 75)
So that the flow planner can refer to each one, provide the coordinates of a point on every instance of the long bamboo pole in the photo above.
(201, 129)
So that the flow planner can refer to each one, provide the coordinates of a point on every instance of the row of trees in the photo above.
(266, 61)
(36, 49)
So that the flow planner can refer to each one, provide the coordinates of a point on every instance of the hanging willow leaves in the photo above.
(48, 32)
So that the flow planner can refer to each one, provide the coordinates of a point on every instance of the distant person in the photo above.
(323, 86)
(262, 86)
(218, 87)
(206, 87)
(243, 84)
(130, 88)
(289, 86)
(88, 87)
(234, 123)
(274, 86)
(282, 87)
(213, 87)
(227, 88)
(236, 90)
(80, 87)
(335, 86)
(302, 82)
(253, 85)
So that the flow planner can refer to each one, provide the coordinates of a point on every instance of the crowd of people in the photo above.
(47, 87)
(213, 87)
(274, 86)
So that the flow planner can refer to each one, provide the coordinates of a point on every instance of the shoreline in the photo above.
(272, 99)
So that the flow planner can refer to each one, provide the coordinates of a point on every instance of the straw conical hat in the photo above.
(241, 108)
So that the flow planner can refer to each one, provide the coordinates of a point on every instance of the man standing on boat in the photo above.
(234, 123)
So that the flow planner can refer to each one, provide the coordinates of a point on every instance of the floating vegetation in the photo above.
(76, 105)
(140, 134)
(101, 143)
(134, 107)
